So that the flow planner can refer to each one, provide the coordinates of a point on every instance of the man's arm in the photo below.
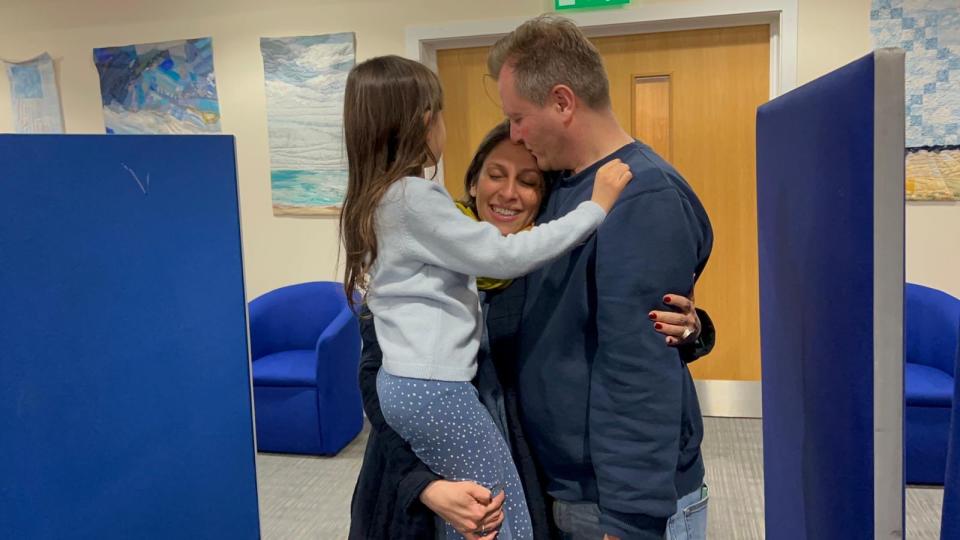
(648, 247)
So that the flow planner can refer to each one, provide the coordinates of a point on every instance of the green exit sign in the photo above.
(587, 4)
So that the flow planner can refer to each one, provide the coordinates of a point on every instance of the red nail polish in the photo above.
(653, 316)
(666, 299)
(658, 326)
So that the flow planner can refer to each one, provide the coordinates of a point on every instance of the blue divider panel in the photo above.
(950, 527)
(815, 193)
(124, 382)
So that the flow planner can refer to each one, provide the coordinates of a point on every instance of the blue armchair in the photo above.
(305, 346)
(931, 335)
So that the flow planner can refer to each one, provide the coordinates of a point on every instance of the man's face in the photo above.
(538, 128)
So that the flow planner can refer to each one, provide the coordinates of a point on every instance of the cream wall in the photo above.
(831, 34)
(933, 245)
(280, 251)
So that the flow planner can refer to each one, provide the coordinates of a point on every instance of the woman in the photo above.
(396, 495)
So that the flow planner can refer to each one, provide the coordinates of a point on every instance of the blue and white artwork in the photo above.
(34, 96)
(305, 81)
(929, 32)
(159, 88)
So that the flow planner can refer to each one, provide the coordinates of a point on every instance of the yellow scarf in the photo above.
(485, 283)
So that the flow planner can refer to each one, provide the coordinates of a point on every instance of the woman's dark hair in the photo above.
(499, 133)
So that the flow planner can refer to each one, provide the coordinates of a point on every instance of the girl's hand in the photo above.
(610, 180)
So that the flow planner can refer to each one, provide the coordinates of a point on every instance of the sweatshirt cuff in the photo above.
(632, 526)
(412, 486)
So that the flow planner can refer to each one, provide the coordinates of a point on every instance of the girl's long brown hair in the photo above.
(387, 101)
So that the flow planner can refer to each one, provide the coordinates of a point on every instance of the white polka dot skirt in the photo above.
(453, 434)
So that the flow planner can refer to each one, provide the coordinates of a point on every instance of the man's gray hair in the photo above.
(547, 51)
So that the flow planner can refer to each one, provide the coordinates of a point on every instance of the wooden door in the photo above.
(471, 108)
(692, 95)
(652, 113)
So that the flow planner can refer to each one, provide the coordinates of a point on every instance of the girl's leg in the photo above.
(452, 432)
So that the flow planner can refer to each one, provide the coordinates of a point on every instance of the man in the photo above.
(608, 410)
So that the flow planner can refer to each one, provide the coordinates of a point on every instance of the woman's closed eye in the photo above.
(495, 174)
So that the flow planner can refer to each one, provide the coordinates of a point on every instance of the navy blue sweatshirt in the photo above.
(607, 406)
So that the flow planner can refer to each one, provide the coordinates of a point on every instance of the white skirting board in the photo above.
(730, 399)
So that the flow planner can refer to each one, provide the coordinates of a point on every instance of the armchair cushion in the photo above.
(927, 387)
(287, 368)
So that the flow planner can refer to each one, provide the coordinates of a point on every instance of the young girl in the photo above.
(415, 254)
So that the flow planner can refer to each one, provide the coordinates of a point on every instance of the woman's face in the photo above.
(509, 188)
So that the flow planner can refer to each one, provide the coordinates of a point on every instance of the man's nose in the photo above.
(515, 134)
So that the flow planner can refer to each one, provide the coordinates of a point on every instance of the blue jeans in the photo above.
(581, 521)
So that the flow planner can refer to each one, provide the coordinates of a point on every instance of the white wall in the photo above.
(280, 251)
(933, 245)
(831, 34)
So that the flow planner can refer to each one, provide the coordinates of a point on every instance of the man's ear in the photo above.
(563, 100)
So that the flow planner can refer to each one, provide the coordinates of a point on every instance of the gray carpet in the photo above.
(309, 497)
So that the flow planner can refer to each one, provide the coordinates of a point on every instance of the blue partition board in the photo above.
(950, 526)
(125, 408)
(816, 220)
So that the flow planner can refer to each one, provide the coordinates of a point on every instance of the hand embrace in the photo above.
(466, 506)
(681, 326)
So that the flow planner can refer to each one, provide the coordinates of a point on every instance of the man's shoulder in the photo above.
(645, 161)
(652, 175)
(655, 181)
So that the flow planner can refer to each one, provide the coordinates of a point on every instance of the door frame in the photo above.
(423, 41)
(718, 398)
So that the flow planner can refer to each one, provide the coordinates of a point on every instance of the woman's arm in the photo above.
(465, 505)
(416, 474)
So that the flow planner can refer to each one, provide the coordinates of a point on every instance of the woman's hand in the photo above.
(610, 180)
(681, 326)
(467, 506)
